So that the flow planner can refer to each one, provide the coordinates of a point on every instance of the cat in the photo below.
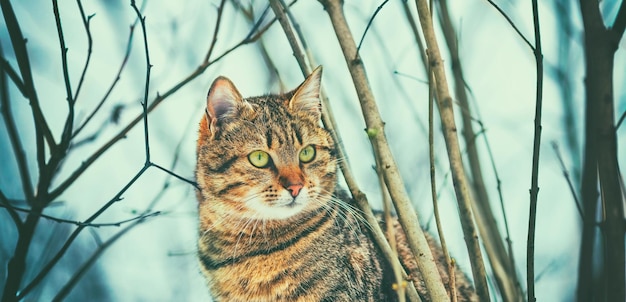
(272, 226)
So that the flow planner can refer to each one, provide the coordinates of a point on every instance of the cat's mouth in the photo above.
(292, 204)
(282, 207)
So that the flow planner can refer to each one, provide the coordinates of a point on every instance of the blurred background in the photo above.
(152, 256)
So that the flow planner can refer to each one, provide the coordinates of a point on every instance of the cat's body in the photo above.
(271, 227)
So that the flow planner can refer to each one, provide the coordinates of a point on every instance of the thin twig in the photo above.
(216, 30)
(496, 175)
(144, 103)
(113, 84)
(534, 186)
(508, 19)
(369, 23)
(193, 183)
(74, 222)
(86, 22)
(555, 146)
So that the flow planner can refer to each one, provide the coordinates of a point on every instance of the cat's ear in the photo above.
(221, 102)
(307, 96)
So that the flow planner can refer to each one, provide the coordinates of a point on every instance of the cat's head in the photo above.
(264, 157)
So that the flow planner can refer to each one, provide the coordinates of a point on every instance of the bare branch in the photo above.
(329, 123)
(461, 185)
(534, 186)
(59, 254)
(21, 54)
(508, 19)
(252, 37)
(375, 130)
(502, 263)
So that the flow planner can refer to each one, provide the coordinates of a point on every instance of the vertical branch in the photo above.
(534, 187)
(67, 129)
(21, 54)
(501, 262)
(433, 186)
(14, 136)
(16, 266)
(600, 161)
(406, 213)
(461, 185)
(218, 21)
(144, 103)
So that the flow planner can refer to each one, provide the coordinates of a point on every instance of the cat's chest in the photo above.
(310, 269)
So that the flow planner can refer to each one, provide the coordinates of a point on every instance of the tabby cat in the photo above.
(272, 227)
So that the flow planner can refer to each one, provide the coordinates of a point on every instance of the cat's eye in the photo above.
(307, 154)
(259, 159)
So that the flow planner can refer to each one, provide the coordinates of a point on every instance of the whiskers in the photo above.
(351, 216)
(226, 224)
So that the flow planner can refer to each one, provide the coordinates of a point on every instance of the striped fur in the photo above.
(278, 232)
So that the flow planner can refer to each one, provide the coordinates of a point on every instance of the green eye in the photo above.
(259, 159)
(307, 154)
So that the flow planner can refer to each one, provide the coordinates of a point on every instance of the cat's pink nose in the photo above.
(294, 190)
